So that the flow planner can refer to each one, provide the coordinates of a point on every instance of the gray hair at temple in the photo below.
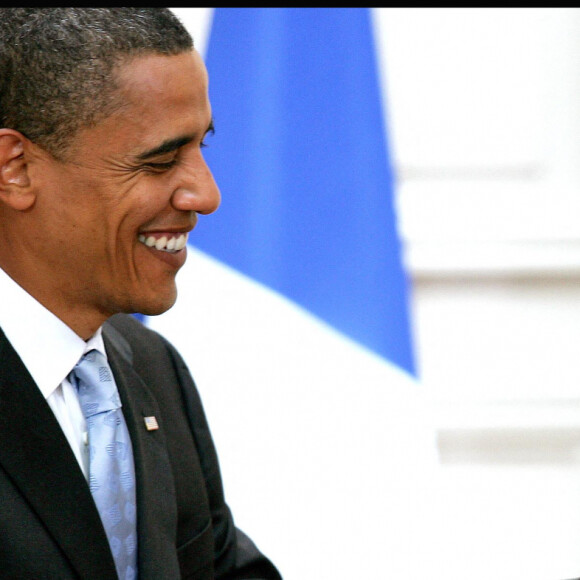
(57, 65)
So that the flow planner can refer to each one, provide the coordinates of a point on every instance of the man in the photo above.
(103, 115)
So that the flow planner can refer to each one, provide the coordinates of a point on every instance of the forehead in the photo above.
(160, 98)
(161, 76)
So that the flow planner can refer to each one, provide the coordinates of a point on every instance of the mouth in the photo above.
(164, 242)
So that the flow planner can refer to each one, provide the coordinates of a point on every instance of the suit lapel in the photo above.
(156, 507)
(37, 456)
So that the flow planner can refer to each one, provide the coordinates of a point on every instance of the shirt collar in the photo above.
(47, 346)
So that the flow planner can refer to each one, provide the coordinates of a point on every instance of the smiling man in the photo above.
(103, 116)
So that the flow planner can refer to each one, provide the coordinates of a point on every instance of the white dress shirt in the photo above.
(49, 349)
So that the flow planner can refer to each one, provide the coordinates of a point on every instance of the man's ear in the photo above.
(15, 188)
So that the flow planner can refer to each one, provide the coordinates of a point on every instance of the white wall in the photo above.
(484, 116)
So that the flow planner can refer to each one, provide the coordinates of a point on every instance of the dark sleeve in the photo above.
(236, 557)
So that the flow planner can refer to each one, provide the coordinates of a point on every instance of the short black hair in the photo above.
(57, 64)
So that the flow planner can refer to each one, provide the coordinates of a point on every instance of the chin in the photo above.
(153, 306)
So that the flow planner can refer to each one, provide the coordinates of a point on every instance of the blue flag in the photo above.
(301, 158)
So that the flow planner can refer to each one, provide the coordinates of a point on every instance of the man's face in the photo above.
(116, 214)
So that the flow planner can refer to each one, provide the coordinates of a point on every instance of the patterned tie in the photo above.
(111, 469)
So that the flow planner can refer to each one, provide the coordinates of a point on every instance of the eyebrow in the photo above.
(172, 144)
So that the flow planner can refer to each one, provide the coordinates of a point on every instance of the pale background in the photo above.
(476, 473)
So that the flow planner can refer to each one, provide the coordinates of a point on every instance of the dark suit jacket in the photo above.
(49, 525)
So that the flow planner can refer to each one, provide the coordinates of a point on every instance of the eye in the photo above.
(210, 133)
(159, 167)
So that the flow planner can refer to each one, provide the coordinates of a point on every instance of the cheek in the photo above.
(116, 214)
(75, 208)
(104, 215)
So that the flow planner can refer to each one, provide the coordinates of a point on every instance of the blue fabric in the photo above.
(111, 468)
(301, 158)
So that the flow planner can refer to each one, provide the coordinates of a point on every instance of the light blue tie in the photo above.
(111, 468)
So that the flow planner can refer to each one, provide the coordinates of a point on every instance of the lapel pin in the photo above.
(151, 423)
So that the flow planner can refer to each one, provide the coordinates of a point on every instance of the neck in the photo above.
(78, 317)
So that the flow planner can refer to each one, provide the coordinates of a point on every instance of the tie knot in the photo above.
(95, 385)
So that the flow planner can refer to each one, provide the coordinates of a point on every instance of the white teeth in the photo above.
(180, 242)
(165, 244)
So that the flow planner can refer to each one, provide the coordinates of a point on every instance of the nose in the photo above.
(198, 193)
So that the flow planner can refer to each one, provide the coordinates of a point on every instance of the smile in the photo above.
(165, 243)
